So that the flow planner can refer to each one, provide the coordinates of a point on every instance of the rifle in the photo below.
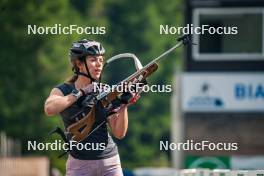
(83, 128)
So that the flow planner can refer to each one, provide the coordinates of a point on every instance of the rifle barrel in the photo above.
(104, 94)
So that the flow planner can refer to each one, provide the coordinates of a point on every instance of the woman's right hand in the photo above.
(89, 88)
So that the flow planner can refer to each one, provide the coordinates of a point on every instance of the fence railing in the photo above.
(26, 166)
(9, 147)
(195, 172)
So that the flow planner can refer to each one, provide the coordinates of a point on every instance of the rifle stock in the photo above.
(81, 129)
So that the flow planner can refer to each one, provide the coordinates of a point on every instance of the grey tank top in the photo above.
(98, 145)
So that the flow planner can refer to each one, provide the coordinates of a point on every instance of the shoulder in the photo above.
(64, 88)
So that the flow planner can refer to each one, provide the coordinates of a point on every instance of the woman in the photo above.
(87, 58)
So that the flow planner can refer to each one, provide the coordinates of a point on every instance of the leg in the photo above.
(111, 166)
(76, 167)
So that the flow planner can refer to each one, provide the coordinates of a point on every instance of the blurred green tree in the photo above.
(135, 28)
(32, 64)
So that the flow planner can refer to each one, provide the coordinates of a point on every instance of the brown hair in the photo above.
(74, 77)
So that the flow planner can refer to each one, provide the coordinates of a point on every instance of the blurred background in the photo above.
(218, 85)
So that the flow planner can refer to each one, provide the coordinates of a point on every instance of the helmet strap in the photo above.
(88, 73)
(82, 74)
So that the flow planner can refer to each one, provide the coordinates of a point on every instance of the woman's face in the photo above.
(95, 65)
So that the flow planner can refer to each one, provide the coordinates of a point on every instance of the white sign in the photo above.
(247, 162)
(223, 92)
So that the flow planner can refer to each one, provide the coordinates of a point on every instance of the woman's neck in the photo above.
(81, 82)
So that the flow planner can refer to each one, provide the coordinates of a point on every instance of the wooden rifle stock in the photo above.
(82, 128)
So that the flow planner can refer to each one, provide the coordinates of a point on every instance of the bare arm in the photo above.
(119, 123)
(57, 102)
